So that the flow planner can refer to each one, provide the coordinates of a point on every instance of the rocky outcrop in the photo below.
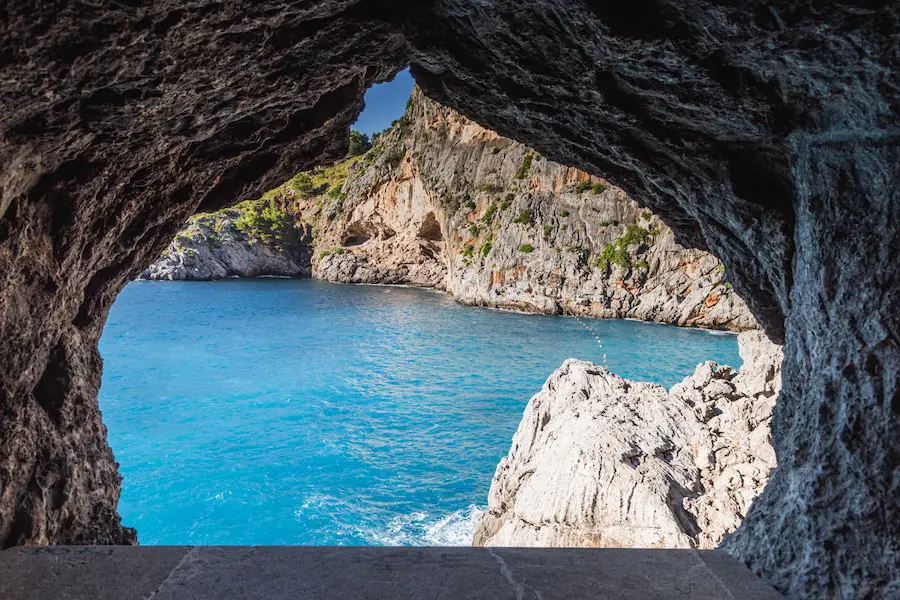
(765, 133)
(602, 461)
(440, 201)
(211, 246)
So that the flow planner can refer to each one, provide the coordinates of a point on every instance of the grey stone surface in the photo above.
(379, 573)
(86, 572)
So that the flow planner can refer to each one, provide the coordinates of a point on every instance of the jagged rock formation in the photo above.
(602, 461)
(441, 202)
(765, 133)
(211, 246)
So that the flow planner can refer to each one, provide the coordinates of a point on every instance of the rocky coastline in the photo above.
(441, 202)
(601, 461)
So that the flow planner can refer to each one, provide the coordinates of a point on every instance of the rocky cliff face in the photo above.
(212, 246)
(602, 461)
(441, 202)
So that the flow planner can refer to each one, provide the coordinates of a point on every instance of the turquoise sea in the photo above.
(300, 412)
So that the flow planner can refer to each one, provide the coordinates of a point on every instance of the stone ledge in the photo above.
(304, 572)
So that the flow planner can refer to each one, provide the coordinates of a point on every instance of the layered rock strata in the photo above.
(600, 461)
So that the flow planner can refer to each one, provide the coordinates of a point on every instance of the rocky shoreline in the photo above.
(601, 461)
(440, 202)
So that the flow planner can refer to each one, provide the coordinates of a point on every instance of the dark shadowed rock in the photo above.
(767, 133)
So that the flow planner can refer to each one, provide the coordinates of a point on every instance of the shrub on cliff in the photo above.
(467, 253)
(330, 251)
(486, 246)
(262, 221)
(522, 173)
(524, 217)
(359, 143)
(616, 253)
(526, 248)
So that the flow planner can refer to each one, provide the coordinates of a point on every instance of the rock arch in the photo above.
(767, 133)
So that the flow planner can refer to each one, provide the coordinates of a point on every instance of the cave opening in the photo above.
(366, 219)
(765, 136)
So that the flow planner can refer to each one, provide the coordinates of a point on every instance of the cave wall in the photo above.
(118, 121)
(765, 132)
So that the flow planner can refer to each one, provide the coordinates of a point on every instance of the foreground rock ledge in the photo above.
(766, 133)
(328, 573)
(601, 461)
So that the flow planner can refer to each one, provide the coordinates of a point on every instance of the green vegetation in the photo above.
(359, 143)
(262, 221)
(330, 251)
(522, 173)
(335, 192)
(720, 269)
(394, 157)
(646, 215)
(634, 234)
(616, 253)
(474, 230)
(467, 253)
(564, 214)
(524, 217)
(599, 188)
(728, 285)
(488, 215)
(642, 264)
(486, 246)
(608, 223)
(213, 240)
(319, 180)
(471, 205)
(489, 187)
(547, 230)
(564, 227)
(507, 201)
(583, 186)
(526, 248)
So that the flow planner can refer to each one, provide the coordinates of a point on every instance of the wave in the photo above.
(422, 529)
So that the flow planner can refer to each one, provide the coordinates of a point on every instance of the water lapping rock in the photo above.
(602, 461)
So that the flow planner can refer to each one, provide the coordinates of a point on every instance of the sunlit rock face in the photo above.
(441, 202)
(601, 461)
(764, 133)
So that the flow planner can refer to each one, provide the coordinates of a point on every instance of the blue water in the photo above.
(303, 412)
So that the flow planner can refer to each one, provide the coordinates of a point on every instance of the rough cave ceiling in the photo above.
(765, 132)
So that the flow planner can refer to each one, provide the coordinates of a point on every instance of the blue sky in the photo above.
(385, 102)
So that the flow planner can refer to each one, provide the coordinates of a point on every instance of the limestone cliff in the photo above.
(602, 461)
(213, 246)
(439, 201)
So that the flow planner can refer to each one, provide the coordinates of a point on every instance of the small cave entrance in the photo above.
(355, 236)
(430, 229)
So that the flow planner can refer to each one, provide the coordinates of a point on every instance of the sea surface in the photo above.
(302, 412)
